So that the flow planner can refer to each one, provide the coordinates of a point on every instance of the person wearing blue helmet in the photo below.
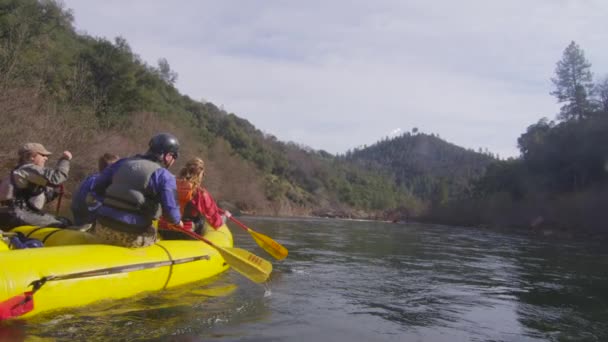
(136, 191)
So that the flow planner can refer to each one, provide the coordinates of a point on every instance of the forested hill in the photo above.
(91, 95)
(425, 164)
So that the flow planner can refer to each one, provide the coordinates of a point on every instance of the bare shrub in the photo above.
(26, 116)
(232, 178)
(20, 109)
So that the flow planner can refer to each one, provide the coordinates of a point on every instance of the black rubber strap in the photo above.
(49, 235)
(33, 231)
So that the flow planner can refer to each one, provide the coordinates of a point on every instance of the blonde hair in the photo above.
(193, 172)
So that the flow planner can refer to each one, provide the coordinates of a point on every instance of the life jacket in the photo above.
(185, 191)
(14, 196)
(128, 191)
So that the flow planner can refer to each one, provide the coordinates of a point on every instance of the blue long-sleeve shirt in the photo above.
(82, 210)
(161, 184)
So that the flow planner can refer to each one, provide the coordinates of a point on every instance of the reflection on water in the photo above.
(368, 281)
(181, 312)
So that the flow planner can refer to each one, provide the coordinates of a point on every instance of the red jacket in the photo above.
(202, 203)
(194, 203)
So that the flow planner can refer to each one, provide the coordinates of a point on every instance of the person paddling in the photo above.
(134, 190)
(30, 186)
(84, 202)
(196, 203)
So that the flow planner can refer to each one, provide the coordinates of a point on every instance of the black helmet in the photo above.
(164, 143)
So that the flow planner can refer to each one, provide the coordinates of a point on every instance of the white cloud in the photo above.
(339, 74)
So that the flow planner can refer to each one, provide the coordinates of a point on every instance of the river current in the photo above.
(366, 281)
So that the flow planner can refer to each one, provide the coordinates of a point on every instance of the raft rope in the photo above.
(37, 284)
(22, 304)
(165, 249)
(170, 267)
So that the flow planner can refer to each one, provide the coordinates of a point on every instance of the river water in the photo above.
(367, 281)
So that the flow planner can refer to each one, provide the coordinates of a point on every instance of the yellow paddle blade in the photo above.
(242, 261)
(269, 245)
(246, 263)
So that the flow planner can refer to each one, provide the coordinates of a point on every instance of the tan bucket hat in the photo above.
(34, 147)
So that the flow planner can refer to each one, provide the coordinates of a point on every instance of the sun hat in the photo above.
(34, 147)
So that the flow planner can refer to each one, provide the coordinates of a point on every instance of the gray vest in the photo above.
(128, 191)
(16, 191)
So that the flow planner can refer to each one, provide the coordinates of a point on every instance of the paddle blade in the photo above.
(248, 264)
(242, 261)
(269, 245)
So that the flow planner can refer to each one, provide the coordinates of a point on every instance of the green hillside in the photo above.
(91, 95)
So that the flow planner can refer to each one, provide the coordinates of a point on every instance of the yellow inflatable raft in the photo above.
(73, 269)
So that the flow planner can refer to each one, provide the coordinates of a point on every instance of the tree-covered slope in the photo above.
(560, 182)
(428, 166)
(91, 95)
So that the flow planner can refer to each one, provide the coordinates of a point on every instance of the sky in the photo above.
(335, 75)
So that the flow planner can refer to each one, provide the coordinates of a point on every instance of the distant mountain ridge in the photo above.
(425, 164)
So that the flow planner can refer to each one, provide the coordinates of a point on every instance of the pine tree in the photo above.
(602, 95)
(573, 83)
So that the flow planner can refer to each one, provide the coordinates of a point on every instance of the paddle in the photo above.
(269, 245)
(248, 264)
(60, 187)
